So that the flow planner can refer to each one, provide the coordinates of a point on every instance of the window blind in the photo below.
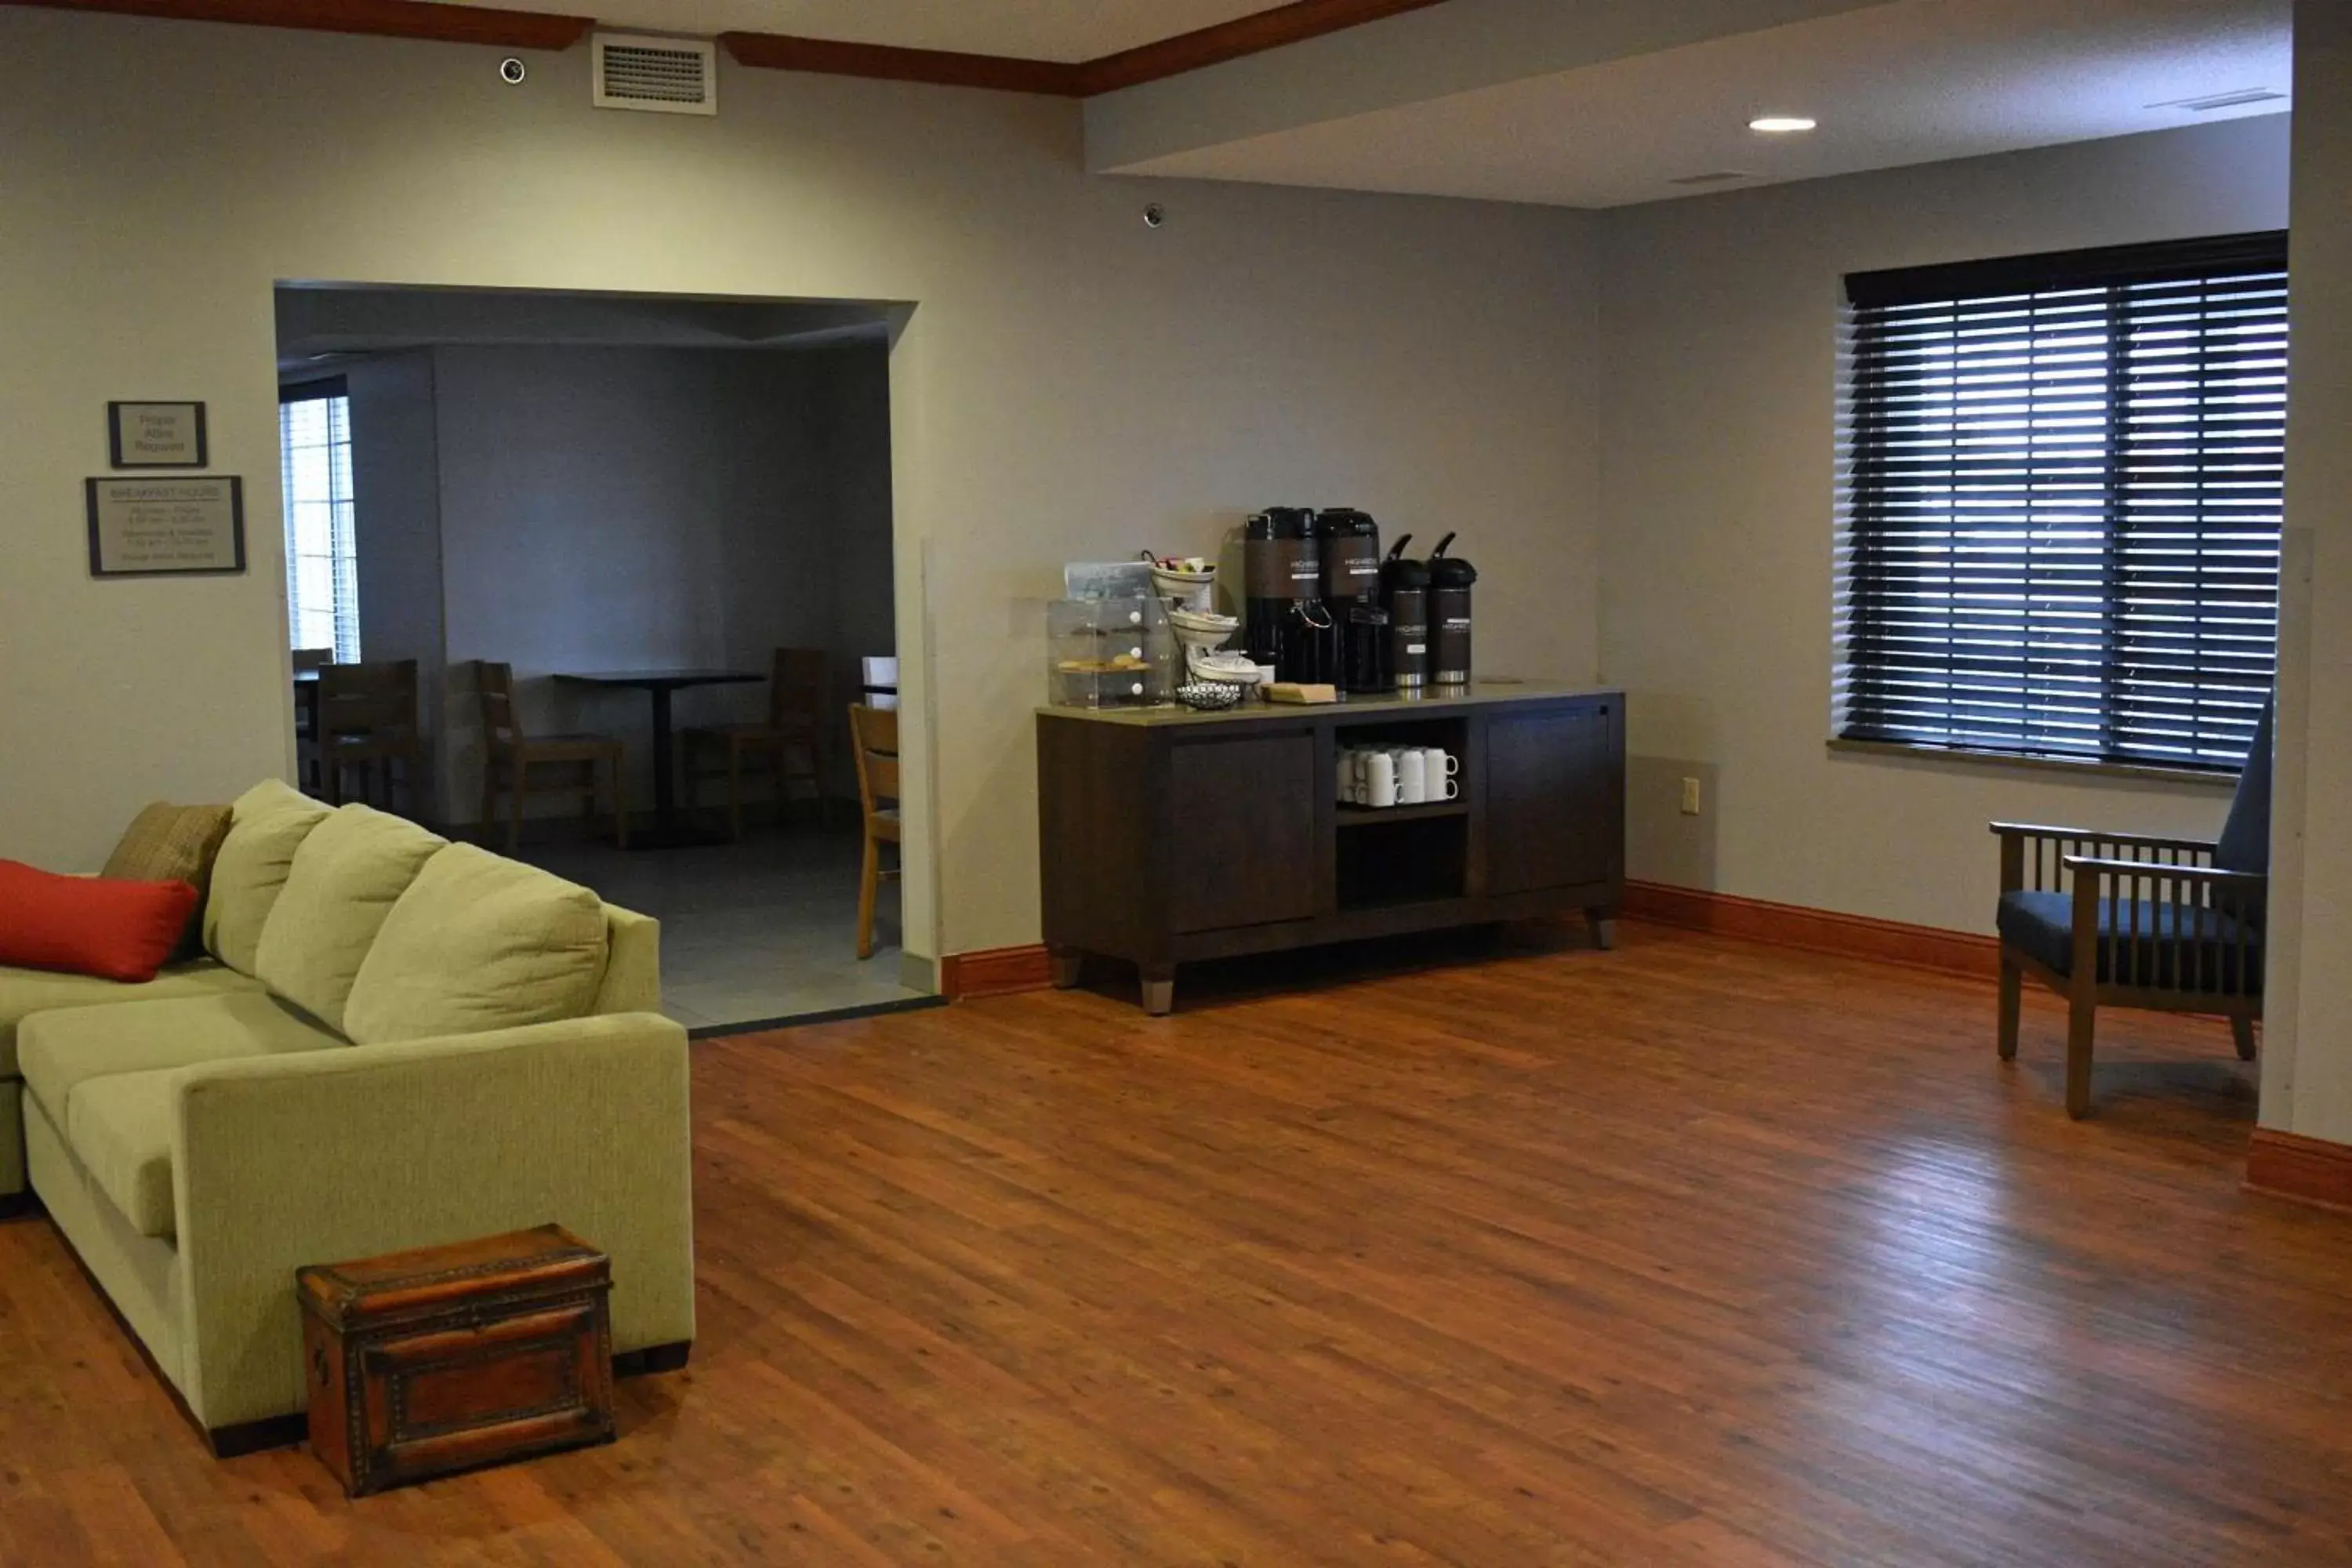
(323, 600)
(2062, 491)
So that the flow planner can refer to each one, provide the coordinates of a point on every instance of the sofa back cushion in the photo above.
(266, 825)
(345, 880)
(479, 942)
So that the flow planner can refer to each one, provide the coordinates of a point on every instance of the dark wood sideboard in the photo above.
(1168, 836)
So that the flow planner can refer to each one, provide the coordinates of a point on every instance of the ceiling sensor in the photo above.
(2232, 99)
(1714, 177)
(1780, 125)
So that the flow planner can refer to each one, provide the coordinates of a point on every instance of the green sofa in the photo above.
(392, 1041)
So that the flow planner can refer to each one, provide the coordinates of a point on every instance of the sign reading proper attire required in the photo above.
(142, 527)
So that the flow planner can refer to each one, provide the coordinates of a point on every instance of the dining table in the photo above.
(669, 832)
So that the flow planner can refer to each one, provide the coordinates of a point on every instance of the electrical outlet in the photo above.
(1690, 798)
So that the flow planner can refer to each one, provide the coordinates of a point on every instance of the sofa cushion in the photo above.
(347, 876)
(25, 991)
(266, 825)
(120, 1129)
(61, 1051)
(479, 942)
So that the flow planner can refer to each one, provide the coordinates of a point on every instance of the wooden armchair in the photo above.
(509, 755)
(874, 735)
(2134, 919)
(792, 741)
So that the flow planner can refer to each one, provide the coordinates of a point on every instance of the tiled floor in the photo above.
(761, 929)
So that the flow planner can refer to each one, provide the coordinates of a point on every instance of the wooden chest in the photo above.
(451, 1357)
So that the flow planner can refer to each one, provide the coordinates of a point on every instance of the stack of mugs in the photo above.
(1381, 776)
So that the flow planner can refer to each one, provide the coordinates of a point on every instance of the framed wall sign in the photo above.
(155, 435)
(152, 528)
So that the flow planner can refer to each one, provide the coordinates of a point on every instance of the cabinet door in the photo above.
(1243, 852)
(1555, 811)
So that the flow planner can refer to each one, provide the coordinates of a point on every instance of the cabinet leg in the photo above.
(1160, 991)
(1604, 928)
(1066, 962)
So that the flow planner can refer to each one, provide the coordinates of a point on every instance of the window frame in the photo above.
(1870, 436)
(343, 551)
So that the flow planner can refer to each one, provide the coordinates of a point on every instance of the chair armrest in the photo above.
(2098, 835)
(321, 1156)
(2156, 871)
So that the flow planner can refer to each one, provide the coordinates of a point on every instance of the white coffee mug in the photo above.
(1380, 779)
(1412, 778)
(1344, 773)
(1439, 764)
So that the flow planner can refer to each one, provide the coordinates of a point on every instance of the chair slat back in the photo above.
(494, 682)
(873, 739)
(799, 687)
(370, 700)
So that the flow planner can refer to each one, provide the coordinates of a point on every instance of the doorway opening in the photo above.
(633, 554)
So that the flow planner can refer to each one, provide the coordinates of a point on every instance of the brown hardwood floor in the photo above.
(1691, 1253)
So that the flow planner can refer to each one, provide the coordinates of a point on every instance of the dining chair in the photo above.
(790, 744)
(874, 742)
(309, 661)
(2138, 920)
(367, 715)
(507, 749)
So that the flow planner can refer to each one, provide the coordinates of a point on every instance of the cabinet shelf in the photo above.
(1371, 815)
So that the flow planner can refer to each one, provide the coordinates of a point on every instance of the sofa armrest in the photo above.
(321, 1156)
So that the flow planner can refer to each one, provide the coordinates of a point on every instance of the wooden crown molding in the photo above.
(1816, 931)
(1243, 36)
(2307, 1170)
(378, 18)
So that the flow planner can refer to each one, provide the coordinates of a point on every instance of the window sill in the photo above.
(2082, 768)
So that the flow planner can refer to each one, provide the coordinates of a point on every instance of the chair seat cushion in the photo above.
(2166, 946)
(25, 991)
(59, 1052)
(120, 1131)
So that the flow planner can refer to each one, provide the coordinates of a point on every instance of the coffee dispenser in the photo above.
(1280, 567)
(1349, 542)
(1404, 589)
(1450, 578)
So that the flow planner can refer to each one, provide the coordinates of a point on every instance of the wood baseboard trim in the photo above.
(1816, 931)
(374, 18)
(999, 971)
(2304, 1170)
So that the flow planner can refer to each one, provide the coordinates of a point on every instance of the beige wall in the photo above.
(1072, 383)
(2307, 1038)
(1718, 431)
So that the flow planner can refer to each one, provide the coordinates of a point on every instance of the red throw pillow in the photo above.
(90, 925)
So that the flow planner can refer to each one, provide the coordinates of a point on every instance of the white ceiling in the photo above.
(1028, 29)
(1909, 82)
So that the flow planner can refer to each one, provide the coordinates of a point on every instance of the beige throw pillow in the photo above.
(167, 843)
(345, 880)
(478, 942)
(266, 825)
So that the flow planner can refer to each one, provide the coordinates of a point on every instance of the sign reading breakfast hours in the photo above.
(145, 528)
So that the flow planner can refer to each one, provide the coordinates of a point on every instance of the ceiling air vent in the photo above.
(2212, 102)
(662, 76)
(1716, 178)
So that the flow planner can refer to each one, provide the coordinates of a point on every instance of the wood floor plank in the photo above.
(1693, 1254)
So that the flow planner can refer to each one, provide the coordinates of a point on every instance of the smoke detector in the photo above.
(657, 75)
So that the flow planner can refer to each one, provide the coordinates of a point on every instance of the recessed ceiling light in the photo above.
(1779, 124)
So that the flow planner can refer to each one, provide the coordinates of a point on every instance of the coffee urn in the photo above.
(1279, 566)
(1404, 589)
(1350, 545)
(1450, 578)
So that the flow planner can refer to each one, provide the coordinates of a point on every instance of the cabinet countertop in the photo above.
(1434, 701)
